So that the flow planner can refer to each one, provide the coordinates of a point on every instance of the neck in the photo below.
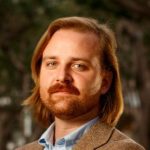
(64, 127)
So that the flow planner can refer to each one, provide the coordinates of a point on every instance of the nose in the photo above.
(64, 76)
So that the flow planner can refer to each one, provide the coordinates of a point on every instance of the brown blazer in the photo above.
(99, 137)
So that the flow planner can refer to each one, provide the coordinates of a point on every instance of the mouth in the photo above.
(60, 89)
(62, 94)
(63, 91)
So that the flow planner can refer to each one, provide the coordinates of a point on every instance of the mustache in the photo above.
(63, 88)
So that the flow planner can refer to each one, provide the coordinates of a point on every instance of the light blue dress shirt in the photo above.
(68, 141)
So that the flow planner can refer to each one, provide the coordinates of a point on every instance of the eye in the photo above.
(80, 67)
(51, 64)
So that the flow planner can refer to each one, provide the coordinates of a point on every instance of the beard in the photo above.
(70, 105)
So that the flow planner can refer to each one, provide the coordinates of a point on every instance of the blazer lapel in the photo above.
(96, 137)
(31, 146)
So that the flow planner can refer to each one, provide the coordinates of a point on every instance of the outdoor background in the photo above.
(22, 22)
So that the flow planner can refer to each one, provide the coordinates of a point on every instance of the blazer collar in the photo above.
(96, 137)
(36, 146)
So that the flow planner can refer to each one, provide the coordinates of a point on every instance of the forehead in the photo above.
(72, 41)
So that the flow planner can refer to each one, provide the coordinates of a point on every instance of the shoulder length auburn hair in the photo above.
(111, 103)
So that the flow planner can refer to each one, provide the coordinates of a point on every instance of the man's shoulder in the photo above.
(104, 137)
(120, 140)
(119, 135)
(31, 146)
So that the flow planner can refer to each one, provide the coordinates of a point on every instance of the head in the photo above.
(102, 84)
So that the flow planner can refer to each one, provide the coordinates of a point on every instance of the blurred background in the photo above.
(24, 21)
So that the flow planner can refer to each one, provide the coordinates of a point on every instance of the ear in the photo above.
(106, 81)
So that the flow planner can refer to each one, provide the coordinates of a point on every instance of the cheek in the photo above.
(45, 83)
(43, 87)
(46, 79)
(43, 79)
(95, 87)
(90, 84)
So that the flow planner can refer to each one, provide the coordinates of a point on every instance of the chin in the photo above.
(65, 110)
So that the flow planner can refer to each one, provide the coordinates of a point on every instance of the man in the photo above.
(77, 88)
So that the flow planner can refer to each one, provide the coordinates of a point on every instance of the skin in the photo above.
(71, 59)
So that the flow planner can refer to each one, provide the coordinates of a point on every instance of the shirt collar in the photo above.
(70, 139)
(47, 136)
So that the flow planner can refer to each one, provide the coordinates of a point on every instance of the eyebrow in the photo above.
(80, 59)
(72, 58)
(49, 57)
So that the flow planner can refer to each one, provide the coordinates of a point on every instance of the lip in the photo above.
(62, 93)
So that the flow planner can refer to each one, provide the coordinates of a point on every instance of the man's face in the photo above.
(71, 76)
